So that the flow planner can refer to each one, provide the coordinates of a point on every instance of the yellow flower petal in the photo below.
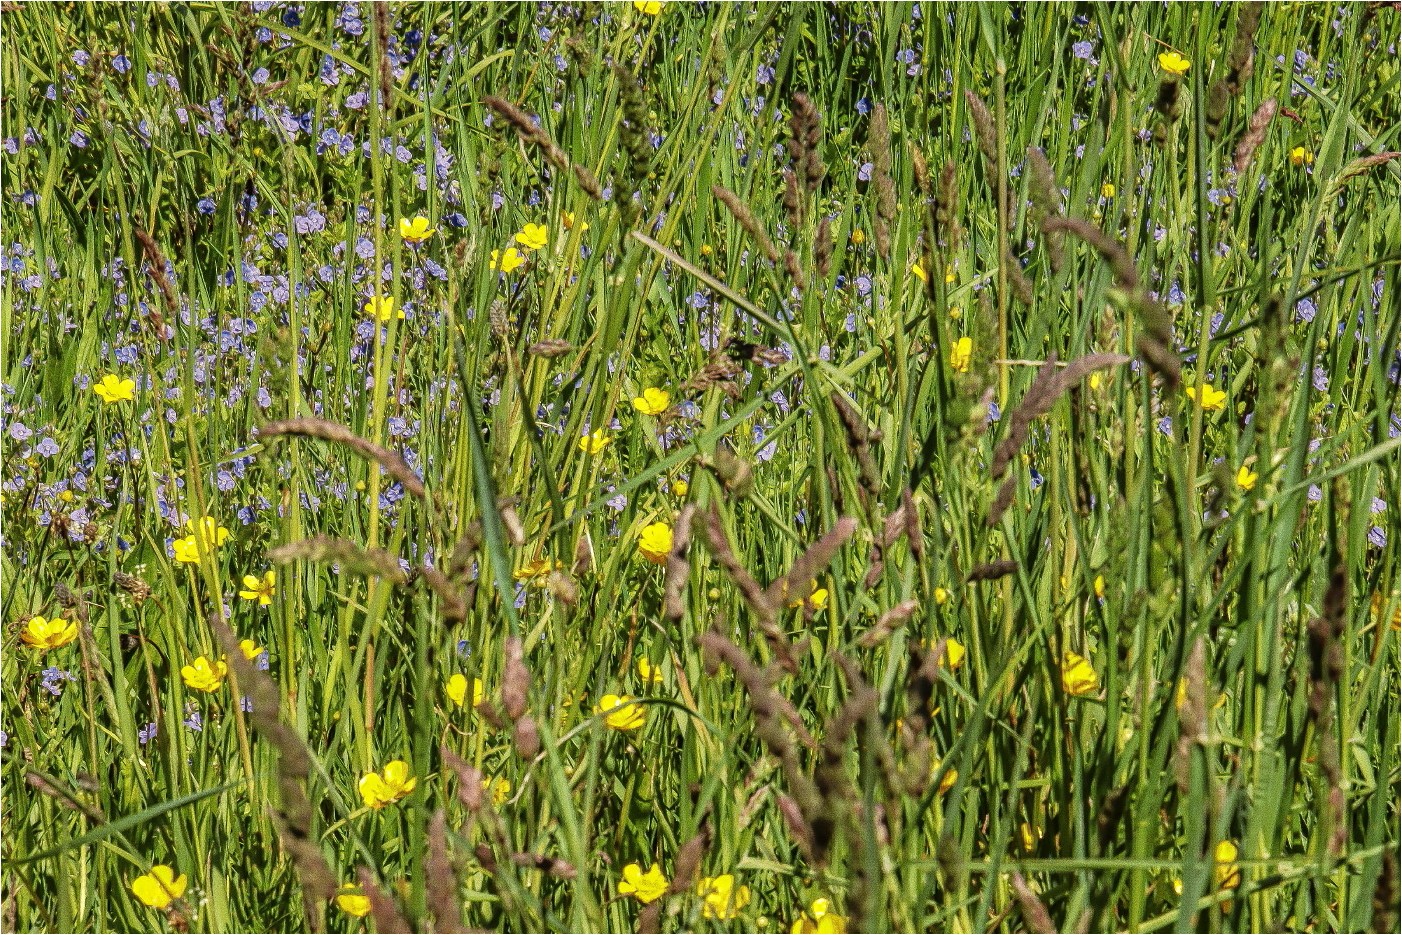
(653, 402)
(159, 888)
(621, 713)
(352, 902)
(655, 542)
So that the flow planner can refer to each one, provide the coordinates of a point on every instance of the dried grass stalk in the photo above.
(812, 561)
(1051, 381)
(677, 566)
(453, 606)
(992, 571)
(352, 557)
(888, 623)
(688, 862)
(1034, 913)
(1255, 135)
(742, 213)
(383, 911)
(293, 819)
(393, 464)
(440, 883)
(984, 130)
(1155, 339)
(158, 269)
(527, 130)
(515, 680)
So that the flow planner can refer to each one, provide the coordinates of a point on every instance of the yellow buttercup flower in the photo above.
(816, 600)
(648, 7)
(1078, 676)
(205, 676)
(1246, 478)
(819, 920)
(48, 634)
(621, 712)
(380, 789)
(653, 402)
(950, 777)
(1226, 872)
(114, 389)
(381, 307)
(595, 442)
(919, 272)
(655, 542)
(567, 218)
(858, 237)
(507, 260)
(1180, 696)
(723, 899)
(941, 596)
(209, 531)
(415, 231)
(1107, 190)
(159, 888)
(644, 887)
(536, 571)
(1174, 64)
(258, 589)
(1212, 399)
(187, 551)
(532, 236)
(250, 649)
(352, 901)
(650, 674)
(961, 355)
(456, 690)
(680, 487)
(1299, 156)
(499, 789)
(954, 653)
(1099, 586)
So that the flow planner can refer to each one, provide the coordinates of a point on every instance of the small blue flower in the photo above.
(53, 679)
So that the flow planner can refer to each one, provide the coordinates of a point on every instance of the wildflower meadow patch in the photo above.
(723, 467)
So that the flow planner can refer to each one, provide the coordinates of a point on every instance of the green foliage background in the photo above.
(1009, 797)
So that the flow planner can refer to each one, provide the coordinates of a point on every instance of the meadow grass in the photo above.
(1015, 548)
